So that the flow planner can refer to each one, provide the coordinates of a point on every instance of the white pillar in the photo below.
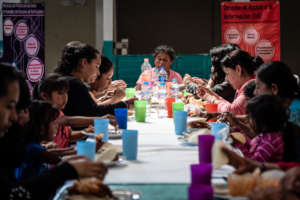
(108, 20)
(99, 24)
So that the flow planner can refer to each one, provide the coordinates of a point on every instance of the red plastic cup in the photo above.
(211, 108)
(169, 102)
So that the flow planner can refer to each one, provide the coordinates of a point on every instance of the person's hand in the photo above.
(241, 164)
(199, 81)
(85, 167)
(119, 84)
(206, 94)
(49, 145)
(111, 118)
(90, 129)
(118, 95)
(229, 117)
(138, 86)
(130, 101)
(63, 151)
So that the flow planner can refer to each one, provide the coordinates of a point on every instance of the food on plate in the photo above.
(218, 156)
(99, 136)
(198, 124)
(242, 185)
(108, 145)
(238, 137)
(193, 136)
(107, 156)
(90, 186)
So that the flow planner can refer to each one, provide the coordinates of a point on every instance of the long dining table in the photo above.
(162, 168)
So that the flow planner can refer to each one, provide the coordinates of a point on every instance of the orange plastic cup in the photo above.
(169, 102)
(211, 108)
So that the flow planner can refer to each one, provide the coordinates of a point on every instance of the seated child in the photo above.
(54, 89)
(267, 117)
(41, 127)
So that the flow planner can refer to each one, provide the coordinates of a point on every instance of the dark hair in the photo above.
(165, 49)
(41, 114)
(239, 57)
(105, 66)
(249, 89)
(25, 96)
(72, 55)
(53, 82)
(280, 74)
(8, 74)
(268, 113)
(217, 54)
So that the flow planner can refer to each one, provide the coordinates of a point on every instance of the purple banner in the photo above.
(23, 38)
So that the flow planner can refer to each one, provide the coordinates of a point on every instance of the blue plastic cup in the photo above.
(219, 130)
(180, 119)
(86, 148)
(121, 115)
(101, 127)
(130, 144)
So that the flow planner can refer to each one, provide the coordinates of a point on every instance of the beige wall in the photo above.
(67, 23)
(64, 24)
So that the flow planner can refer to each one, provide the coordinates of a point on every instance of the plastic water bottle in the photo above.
(145, 92)
(162, 95)
(146, 65)
(146, 70)
(155, 76)
(174, 89)
(163, 75)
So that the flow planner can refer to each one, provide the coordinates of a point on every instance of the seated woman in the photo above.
(239, 68)
(164, 56)
(103, 90)
(72, 168)
(80, 63)
(217, 81)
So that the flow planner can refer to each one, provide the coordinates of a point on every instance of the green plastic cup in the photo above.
(130, 92)
(140, 110)
(177, 106)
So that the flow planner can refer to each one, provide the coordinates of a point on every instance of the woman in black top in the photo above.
(37, 187)
(80, 63)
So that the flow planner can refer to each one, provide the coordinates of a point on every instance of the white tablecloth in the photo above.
(161, 157)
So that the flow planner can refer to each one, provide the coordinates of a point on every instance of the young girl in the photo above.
(105, 91)
(54, 89)
(267, 117)
(42, 127)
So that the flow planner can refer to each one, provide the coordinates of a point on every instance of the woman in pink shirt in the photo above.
(163, 56)
(239, 68)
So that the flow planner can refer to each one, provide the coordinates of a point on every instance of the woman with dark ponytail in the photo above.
(80, 63)
(239, 68)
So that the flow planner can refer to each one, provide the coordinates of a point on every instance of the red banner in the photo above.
(254, 26)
